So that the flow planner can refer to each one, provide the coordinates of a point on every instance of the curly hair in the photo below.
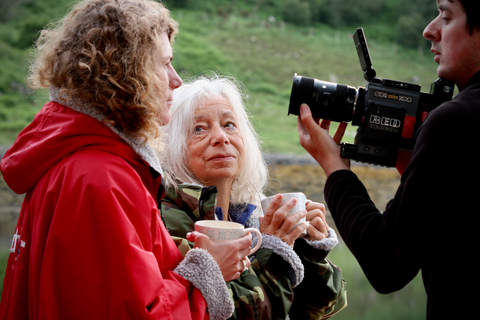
(105, 53)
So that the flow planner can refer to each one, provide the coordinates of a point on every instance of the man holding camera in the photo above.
(430, 224)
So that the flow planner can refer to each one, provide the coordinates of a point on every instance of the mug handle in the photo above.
(259, 235)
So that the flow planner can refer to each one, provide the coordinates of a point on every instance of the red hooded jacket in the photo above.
(89, 243)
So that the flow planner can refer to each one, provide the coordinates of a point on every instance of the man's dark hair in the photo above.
(472, 9)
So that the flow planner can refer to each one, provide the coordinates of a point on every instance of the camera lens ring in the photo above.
(327, 100)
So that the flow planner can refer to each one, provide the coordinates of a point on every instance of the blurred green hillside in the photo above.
(260, 42)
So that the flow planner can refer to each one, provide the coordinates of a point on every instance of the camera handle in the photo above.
(369, 74)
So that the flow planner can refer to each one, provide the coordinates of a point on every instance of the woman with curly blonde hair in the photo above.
(90, 242)
(110, 61)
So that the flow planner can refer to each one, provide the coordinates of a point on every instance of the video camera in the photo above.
(388, 113)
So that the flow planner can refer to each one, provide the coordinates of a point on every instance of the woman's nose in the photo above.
(174, 80)
(219, 136)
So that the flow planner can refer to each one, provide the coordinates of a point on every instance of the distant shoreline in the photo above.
(270, 157)
(3, 149)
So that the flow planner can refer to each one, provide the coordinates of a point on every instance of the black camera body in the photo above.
(388, 113)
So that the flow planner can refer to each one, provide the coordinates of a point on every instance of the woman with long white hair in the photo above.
(215, 171)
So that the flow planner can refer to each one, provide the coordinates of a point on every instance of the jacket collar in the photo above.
(238, 213)
(199, 203)
(473, 80)
(144, 150)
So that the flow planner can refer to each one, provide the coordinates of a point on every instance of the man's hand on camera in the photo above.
(314, 137)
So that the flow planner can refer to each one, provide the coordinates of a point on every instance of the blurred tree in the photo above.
(177, 3)
(11, 9)
(220, 7)
(13, 70)
(297, 12)
(30, 31)
(353, 12)
(414, 17)
(409, 30)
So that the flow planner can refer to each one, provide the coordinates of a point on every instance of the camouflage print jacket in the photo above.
(266, 291)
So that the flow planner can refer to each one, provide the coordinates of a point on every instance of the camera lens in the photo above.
(327, 100)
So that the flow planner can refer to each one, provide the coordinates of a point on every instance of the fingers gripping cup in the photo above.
(226, 230)
(299, 206)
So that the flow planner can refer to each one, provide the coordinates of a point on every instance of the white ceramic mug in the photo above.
(299, 206)
(226, 230)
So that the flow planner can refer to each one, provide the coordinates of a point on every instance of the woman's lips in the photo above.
(221, 157)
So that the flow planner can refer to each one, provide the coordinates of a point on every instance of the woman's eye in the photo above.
(231, 125)
(198, 130)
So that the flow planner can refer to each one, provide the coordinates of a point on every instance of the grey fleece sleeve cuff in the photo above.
(203, 272)
(326, 244)
(286, 252)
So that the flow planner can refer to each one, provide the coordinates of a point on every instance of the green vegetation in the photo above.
(264, 55)
(258, 42)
